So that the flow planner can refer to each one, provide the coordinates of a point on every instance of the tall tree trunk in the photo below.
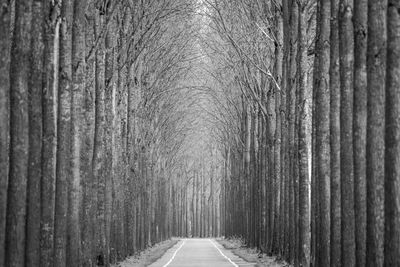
(247, 167)
(107, 175)
(392, 139)
(279, 224)
(87, 216)
(19, 136)
(4, 116)
(291, 99)
(346, 50)
(98, 144)
(35, 138)
(49, 142)
(360, 126)
(322, 133)
(284, 131)
(334, 85)
(63, 172)
(304, 182)
(314, 179)
(78, 88)
(376, 77)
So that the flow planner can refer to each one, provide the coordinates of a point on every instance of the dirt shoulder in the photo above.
(150, 255)
(239, 248)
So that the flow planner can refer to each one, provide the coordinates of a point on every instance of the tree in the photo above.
(35, 138)
(322, 109)
(304, 184)
(77, 91)
(51, 11)
(392, 152)
(360, 126)
(346, 54)
(19, 136)
(63, 167)
(334, 85)
(4, 116)
(98, 138)
(376, 76)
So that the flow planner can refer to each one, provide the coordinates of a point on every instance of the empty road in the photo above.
(199, 253)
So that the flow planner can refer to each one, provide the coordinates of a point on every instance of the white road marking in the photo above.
(173, 256)
(234, 264)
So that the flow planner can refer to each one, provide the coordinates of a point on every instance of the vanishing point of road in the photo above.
(200, 253)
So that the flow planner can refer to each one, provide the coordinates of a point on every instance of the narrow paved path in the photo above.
(199, 253)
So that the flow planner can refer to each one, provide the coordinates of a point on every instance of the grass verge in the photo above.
(240, 249)
(148, 256)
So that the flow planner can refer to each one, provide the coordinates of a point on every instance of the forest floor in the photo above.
(239, 248)
(148, 256)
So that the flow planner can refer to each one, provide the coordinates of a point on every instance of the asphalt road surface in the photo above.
(199, 253)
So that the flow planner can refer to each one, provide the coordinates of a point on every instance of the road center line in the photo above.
(234, 264)
(173, 256)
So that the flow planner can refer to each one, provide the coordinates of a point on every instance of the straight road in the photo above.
(199, 253)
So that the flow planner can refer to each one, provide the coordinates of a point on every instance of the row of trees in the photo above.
(306, 112)
(196, 204)
(93, 122)
(123, 123)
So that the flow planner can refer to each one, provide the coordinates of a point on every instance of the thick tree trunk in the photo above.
(314, 179)
(108, 168)
(87, 215)
(35, 138)
(19, 136)
(346, 49)
(49, 142)
(63, 172)
(322, 149)
(78, 88)
(360, 126)
(304, 182)
(392, 139)
(376, 77)
(5, 40)
(334, 85)
(291, 100)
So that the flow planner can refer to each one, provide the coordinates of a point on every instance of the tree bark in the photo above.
(346, 50)
(304, 182)
(322, 150)
(392, 139)
(5, 40)
(334, 85)
(98, 143)
(314, 179)
(78, 88)
(49, 142)
(63, 169)
(87, 216)
(35, 138)
(285, 165)
(107, 175)
(360, 126)
(293, 31)
(376, 77)
(279, 223)
(19, 136)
